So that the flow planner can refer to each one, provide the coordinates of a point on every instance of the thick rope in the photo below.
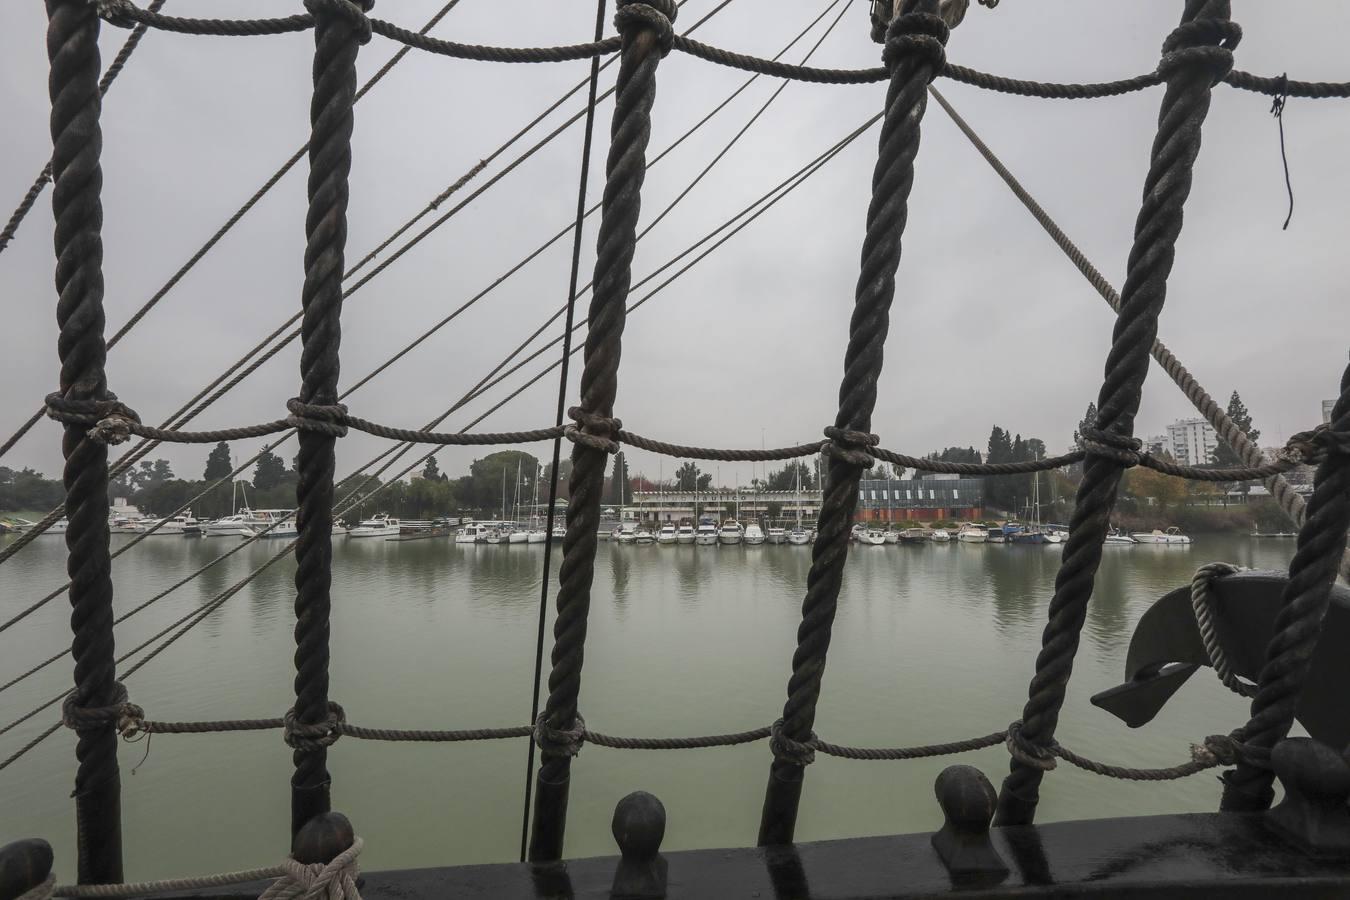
(1307, 594)
(336, 39)
(914, 55)
(1202, 602)
(643, 27)
(1195, 56)
(72, 46)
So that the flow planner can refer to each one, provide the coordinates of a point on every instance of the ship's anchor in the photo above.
(1167, 649)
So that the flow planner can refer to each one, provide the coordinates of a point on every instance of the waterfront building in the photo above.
(1191, 441)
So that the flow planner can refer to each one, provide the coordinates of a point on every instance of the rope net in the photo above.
(1196, 57)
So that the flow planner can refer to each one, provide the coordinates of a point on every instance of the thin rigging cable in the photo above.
(562, 403)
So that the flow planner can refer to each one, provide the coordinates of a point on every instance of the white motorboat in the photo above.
(377, 526)
(124, 525)
(857, 532)
(1172, 535)
(667, 534)
(470, 533)
(685, 534)
(872, 537)
(754, 535)
(1119, 539)
(229, 526)
(972, 533)
(1056, 537)
(493, 535)
(272, 523)
(57, 527)
(706, 534)
(777, 535)
(643, 536)
(730, 532)
(892, 536)
(340, 528)
(798, 536)
(518, 536)
(625, 533)
(180, 525)
(559, 532)
(536, 536)
(940, 535)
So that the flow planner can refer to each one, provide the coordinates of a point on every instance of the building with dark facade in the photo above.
(933, 497)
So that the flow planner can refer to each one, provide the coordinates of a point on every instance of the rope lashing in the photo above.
(592, 430)
(787, 750)
(108, 414)
(354, 11)
(1207, 42)
(324, 418)
(654, 14)
(1027, 753)
(1124, 449)
(311, 737)
(917, 35)
(1202, 602)
(1316, 445)
(852, 447)
(335, 880)
(120, 712)
(559, 741)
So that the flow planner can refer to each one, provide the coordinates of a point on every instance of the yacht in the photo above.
(229, 526)
(685, 534)
(857, 532)
(754, 535)
(536, 536)
(625, 533)
(667, 534)
(972, 533)
(271, 523)
(1119, 539)
(730, 532)
(706, 534)
(493, 534)
(379, 526)
(798, 536)
(892, 536)
(777, 535)
(1028, 536)
(914, 536)
(1172, 535)
(518, 536)
(872, 537)
(643, 536)
(125, 525)
(340, 528)
(180, 525)
(559, 532)
(941, 535)
(470, 533)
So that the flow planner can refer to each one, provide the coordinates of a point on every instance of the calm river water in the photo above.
(932, 643)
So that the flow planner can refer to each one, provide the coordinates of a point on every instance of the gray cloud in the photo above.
(990, 323)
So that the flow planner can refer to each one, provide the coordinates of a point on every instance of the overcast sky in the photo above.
(990, 323)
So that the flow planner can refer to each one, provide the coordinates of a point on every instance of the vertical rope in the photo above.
(1312, 572)
(577, 233)
(77, 142)
(338, 31)
(914, 53)
(647, 35)
(1195, 56)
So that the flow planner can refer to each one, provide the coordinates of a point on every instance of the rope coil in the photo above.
(311, 737)
(785, 749)
(1201, 42)
(658, 15)
(120, 712)
(850, 446)
(559, 741)
(324, 418)
(599, 430)
(917, 34)
(1202, 602)
(354, 11)
(1124, 449)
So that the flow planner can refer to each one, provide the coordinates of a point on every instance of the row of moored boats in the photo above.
(247, 523)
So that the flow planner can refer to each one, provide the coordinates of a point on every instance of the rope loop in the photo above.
(317, 881)
(1202, 604)
(1316, 445)
(599, 430)
(917, 34)
(1027, 753)
(658, 15)
(785, 749)
(324, 418)
(1201, 42)
(850, 446)
(115, 12)
(109, 417)
(354, 11)
(559, 741)
(314, 737)
(1124, 450)
(121, 713)
(44, 891)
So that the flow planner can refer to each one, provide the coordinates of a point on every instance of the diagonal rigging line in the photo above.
(232, 221)
(354, 498)
(477, 390)
(45, 176)
(1290, 501)
(187, 412)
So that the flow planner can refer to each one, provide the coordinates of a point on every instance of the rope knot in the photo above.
(111, 418)
(850, 446)
(311, 737)
(354, 11)
(658, 15)
(1119, 447)
(324, 418)
(1027, 753)
(1217, 750)
(1205, 43)
(115, 12)
(121, 713)
(335, 880)
(598, 430)
(559, 741)
(921, 35)
(787, 750)
(1313, 447)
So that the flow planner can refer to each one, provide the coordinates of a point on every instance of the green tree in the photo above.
(1223, 455)
(432, 471)
(1089, 421)
(785, 479)
(620, 487)
(270, 472)
(218, 464)
(492, 474)
(687, 475)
